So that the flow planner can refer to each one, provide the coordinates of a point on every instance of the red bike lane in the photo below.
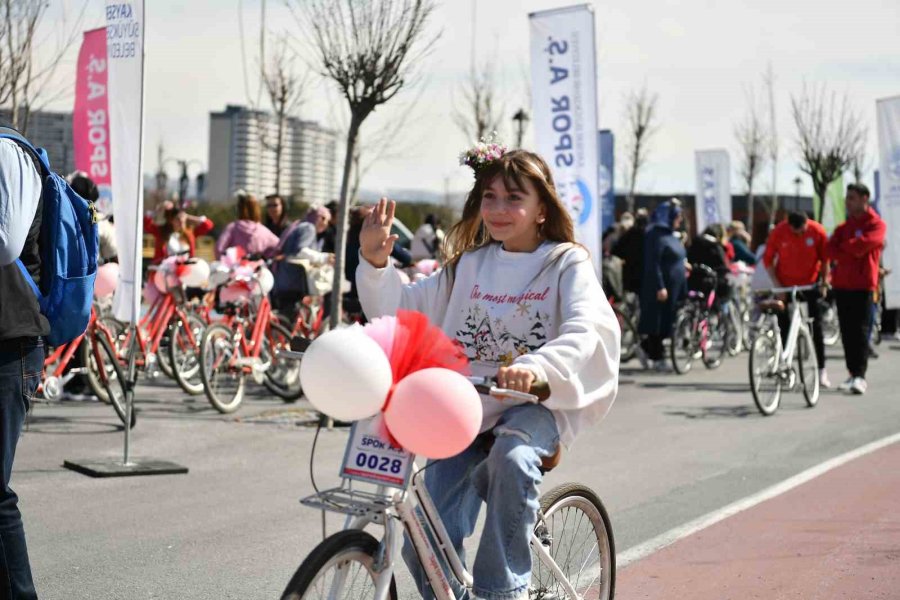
(834, 537)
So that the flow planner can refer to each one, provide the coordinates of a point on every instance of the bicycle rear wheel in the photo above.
(342, 566)
(765, 381)
(222, 382)
(684, 344)
(807, 367)
(717, 339)
(110, 376)
(630, 337)
(577, 534)
(184, 356)
(283, 375)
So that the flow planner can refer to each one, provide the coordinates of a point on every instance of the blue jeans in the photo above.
(21, 363)
(506, 477)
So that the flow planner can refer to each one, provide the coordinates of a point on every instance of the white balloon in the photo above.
(345, 374)
(266, 280)
(219, 274)
(197, 274)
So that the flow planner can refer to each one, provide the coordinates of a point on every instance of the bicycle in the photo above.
(701, 329)
(354, 564)
(627, 312)
(228, 354)
(95, 347)
(772, 358)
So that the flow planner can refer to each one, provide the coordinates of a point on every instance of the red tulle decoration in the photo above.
(420, 345)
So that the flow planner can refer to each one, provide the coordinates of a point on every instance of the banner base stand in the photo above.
(114, 467)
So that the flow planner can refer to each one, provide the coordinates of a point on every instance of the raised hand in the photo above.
(375, 240)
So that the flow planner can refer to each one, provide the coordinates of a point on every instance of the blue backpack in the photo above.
(69, 248)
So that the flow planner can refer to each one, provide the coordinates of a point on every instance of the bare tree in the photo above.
(859, 164)
(284, 89)
(773, 145)
(829, 132)
(641, 114)
(480, 113)
(25, 82)
(368, 48)
(751, 136)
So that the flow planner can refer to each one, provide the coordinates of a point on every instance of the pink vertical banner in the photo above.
(90, 118)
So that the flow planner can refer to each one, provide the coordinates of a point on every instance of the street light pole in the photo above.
(521, 117)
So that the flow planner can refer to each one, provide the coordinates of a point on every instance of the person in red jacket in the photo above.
(795, 255)
(855, 247)
(178, 233)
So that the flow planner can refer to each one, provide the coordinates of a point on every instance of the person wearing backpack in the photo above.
(22, 330)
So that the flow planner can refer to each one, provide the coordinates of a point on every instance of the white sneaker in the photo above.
(845, 387)
(823, 379)
(858, 386)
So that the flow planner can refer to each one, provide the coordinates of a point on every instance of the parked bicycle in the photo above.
(778, 363)
(248, 341)
(702, 329)
(572, 544)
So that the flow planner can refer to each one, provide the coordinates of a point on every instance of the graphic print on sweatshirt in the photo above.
(499, 327)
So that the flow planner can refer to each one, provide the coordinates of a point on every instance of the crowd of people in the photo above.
(650, 256)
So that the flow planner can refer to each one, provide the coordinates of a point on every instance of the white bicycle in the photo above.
(775, 363)
(572, 544)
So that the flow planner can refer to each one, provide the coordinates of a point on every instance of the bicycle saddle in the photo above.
(771, 305)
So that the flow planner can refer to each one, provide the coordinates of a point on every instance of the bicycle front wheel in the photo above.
(765, 381)
(807, 367)
(684, 344)
(283, 376)
(576, 532)
(223, 382)
(342, 566)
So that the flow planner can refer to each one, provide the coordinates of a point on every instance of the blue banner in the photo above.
(606, 188)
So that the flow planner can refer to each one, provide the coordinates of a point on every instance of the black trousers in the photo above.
(854, 311)
(653, 346)
(811, 297)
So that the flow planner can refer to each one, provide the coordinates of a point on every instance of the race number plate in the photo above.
(371, 458)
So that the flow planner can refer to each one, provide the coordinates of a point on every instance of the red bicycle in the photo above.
(229, 352)
(98, 356)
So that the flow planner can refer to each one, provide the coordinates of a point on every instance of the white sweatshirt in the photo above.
(542, 310)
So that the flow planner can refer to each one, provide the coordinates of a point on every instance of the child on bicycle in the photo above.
(523, 299)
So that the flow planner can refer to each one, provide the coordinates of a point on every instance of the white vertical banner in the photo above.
(888, 111)
(125, 55)
(564, 96)
(713, 200)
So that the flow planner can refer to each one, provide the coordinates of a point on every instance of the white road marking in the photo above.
(659, 542)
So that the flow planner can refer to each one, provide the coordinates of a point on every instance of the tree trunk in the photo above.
(340, 245)
(279, 151)
(750, 210)
(820, 192)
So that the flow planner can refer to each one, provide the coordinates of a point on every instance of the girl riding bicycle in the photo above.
(523, 299)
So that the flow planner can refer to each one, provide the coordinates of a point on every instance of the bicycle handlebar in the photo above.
(540, 390)
(792, 289)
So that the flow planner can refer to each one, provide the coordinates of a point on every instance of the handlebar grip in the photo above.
(541, 389)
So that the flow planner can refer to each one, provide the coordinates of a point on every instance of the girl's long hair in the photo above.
(166, 231)
(515, 167)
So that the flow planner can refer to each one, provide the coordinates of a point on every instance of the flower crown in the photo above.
(483, 153)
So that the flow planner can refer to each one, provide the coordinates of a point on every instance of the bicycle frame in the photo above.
(786, 355)
(380, 507)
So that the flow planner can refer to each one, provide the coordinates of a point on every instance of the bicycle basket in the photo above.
(702, 279)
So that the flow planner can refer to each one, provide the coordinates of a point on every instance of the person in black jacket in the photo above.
(630, 248)
(22, 329)
(708, 249)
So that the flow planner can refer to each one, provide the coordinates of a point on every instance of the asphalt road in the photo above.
(672, 449)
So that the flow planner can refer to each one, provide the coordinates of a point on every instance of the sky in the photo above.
(701, 57)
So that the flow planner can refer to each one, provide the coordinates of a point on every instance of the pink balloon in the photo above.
(151, 293)
(434, 412)
(382, 331)
(107, 278)
(234, 292)
(427, 266)
(159, 280)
